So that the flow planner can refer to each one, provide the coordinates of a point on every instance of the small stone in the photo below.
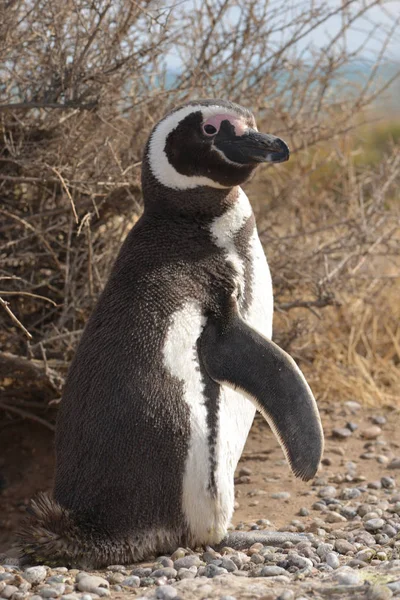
(352, 426)
(187, 573)
(335, 517)
(343, 546)
(69, 597)
(323, 549)
(281, 496)
(228, 597)
(353, 406)
(304, 512)
(112, 568)
(332, 559)
(187, 561)
(52, 591)
(56, 579)
(347, 576)
(244, 471)
(165, 561)
(374, 524)
(379, 592)
(382, 459)
(166, 592)
(350, 493)
(256, 558)
(8, 591)
(348, 512)
(272, 571)
(286, 595)
(327, 492)
(141, 572)
(378, 419)
(168, 572)
(388, 483)
(301, 562)
(35, 575)
(113, 578)
(132, 581)
(394, 587)
(341, 432)
(389, 530)
(213, 571)
(209, 556)
(93, 584)
(394, 463)
(179, 553)
(371, 433)
(374, 485)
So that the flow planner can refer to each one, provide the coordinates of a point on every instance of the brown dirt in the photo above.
(26, 466)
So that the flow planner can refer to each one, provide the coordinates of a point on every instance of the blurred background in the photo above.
(81, 85)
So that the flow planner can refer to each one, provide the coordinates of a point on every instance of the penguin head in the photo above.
(211, 143)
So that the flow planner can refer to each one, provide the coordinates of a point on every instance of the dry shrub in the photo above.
(82, 83)
(333, 237)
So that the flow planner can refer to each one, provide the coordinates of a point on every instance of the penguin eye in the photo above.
(209, 129)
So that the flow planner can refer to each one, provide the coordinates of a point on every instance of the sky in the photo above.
(375, 26)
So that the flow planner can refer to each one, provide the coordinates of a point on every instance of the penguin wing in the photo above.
(236, 355)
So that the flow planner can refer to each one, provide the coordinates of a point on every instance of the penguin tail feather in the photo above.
(51, 536)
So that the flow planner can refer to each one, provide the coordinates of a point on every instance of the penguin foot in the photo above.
(241, 540)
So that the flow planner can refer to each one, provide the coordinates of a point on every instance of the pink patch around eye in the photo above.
(215, 121)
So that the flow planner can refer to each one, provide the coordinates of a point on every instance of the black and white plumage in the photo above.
(174, 360)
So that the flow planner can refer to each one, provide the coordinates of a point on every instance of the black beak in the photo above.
(252, 147)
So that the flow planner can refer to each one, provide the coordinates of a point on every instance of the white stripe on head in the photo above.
(158, 160)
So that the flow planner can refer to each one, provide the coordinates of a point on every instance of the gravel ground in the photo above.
(350, 522)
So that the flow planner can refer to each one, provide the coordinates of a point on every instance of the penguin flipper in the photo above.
(236, 355)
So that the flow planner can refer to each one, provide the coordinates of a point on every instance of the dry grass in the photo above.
(334, 249)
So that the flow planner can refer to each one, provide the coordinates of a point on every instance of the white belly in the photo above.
(208, 516)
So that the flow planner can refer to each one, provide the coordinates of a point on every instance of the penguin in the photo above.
(174, 362)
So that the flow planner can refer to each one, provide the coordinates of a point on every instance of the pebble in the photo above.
(388, 483)
(93, 583)
(166, 592)
(335, 517)
(341, 432)
(8, 591)
(213, 571)
(187, 561)
(394, 463)
(378, 419)
(230, 566)
(353, 406)
(343, 546)
(132, 581)
(379, 592)
(374, 524)
(332, 559)
(371, 433)
(347, 576)
(350, 493)
(168, 572)
(327, 492)
(281, 496)
(272, 571)
(35, 575)
(187, 573)
(286, 595)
